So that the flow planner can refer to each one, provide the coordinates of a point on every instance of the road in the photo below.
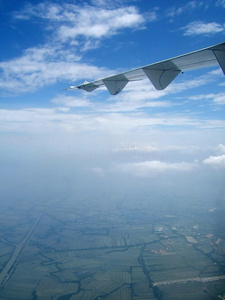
(10, 266)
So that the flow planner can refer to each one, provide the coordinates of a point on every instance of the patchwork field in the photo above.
(121, 253)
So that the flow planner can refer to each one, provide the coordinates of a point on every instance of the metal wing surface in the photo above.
(162, 73)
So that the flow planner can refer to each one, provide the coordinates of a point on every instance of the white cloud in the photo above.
(201, 97)
(40, 67)
(217, 99)
(71, 21)
(198, 27)
(215, 161)
(148, 168)
(221, 148)
(96, 23)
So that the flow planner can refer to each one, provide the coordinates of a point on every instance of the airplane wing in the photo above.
(162, 73)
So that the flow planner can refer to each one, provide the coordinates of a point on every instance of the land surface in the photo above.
(146, 249)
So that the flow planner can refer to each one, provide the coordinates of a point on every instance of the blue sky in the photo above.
(174, 136)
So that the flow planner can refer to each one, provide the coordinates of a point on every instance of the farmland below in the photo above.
(150, 249)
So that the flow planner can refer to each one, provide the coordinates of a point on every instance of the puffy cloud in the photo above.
(216, 161)
(98, 23)
(71, 21)
(198, 27)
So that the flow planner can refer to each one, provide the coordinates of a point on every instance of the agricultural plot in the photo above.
(216, 288)
(141, 289)
(185, 263)
(193, 290)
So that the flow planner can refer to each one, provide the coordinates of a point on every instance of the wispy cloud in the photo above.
(217, 99)
(201, 28)
(220, 3)
(188, 7)
(71, 101)
(111, 3)
(221, 148)
(149, 168)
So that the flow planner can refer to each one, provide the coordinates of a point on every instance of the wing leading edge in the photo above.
(161, 74)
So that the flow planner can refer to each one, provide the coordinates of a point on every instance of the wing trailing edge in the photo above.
(161, 74)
